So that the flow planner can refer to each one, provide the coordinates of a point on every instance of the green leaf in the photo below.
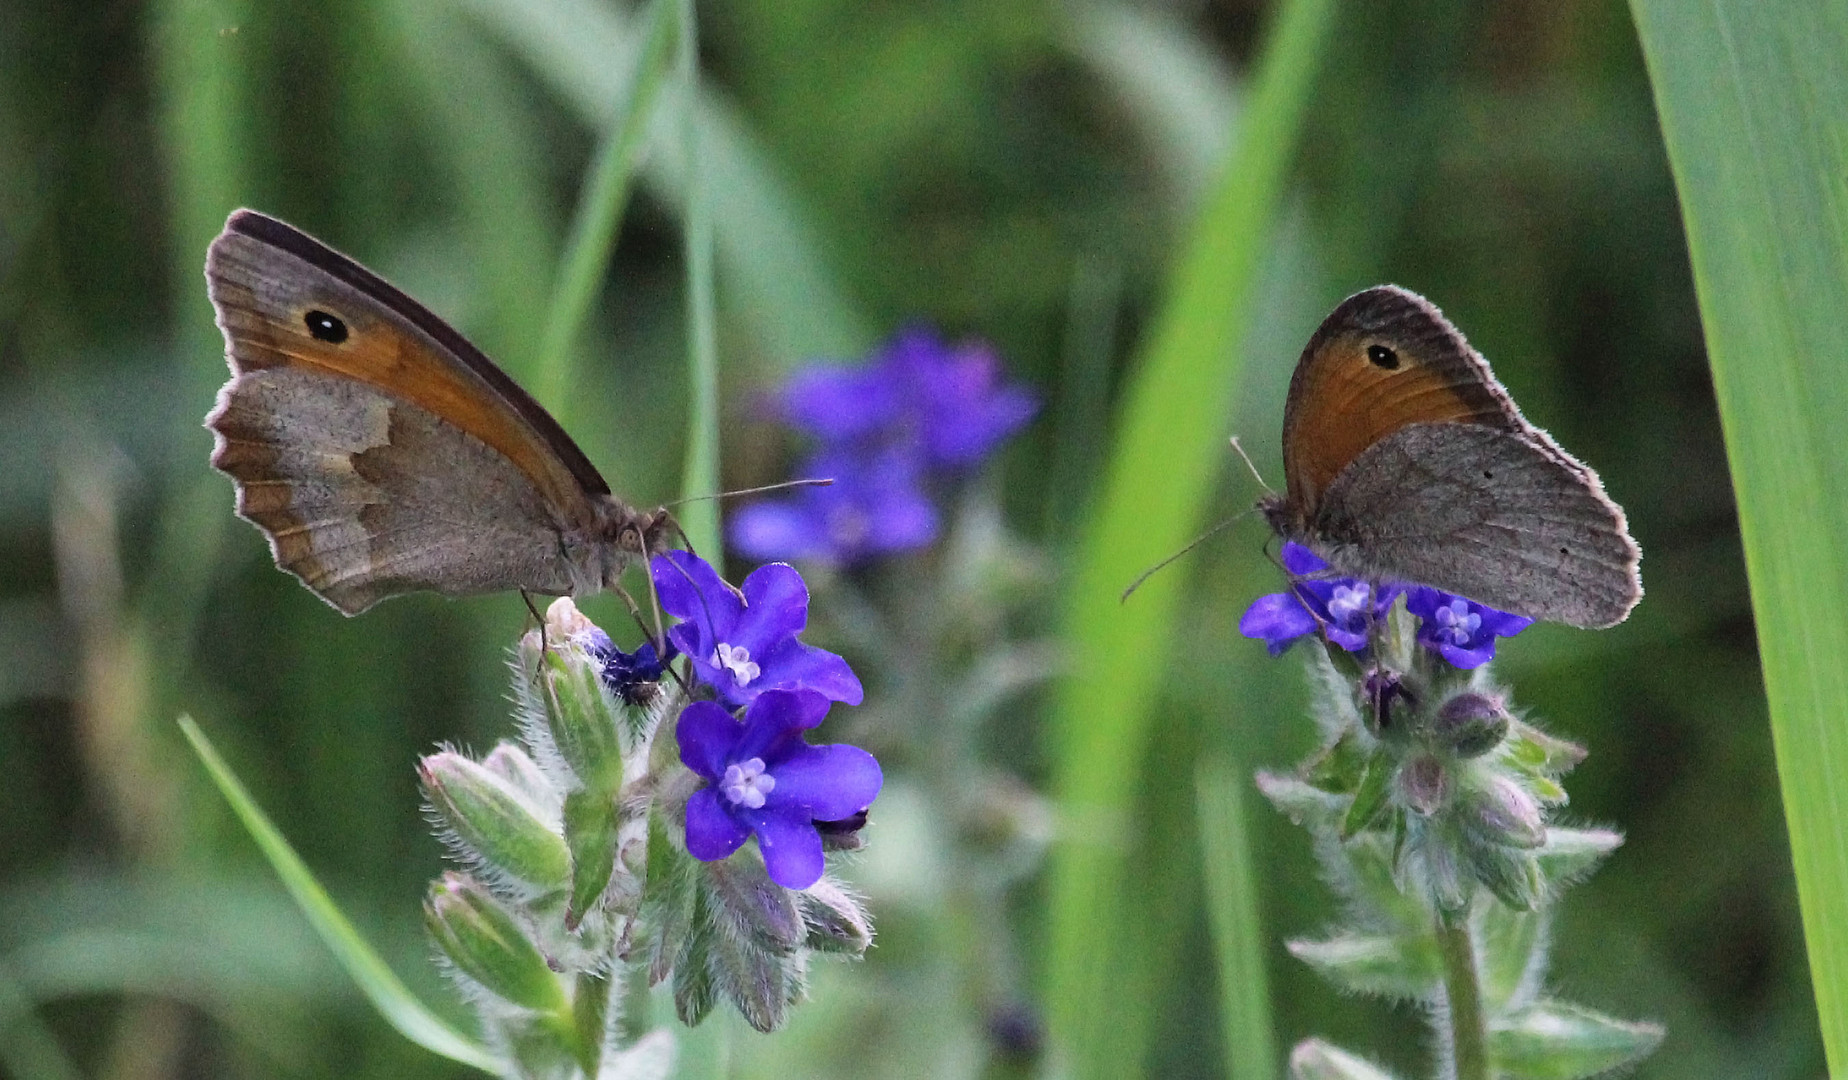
(1510, 945)
(388, 995)
(1570, 854)
(1160, 475)
(1751, 95)
(1399, 966)
(1551, 1040)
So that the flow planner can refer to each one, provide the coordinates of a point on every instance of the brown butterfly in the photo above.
(1405, 460)
(380, 452)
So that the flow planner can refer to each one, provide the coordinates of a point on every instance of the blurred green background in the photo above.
(1021, 172)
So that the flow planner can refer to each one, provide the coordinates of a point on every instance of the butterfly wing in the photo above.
(1498, 517)
(377, 449)
(1382, 359)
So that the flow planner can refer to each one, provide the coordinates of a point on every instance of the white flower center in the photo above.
(1456, 621)
(1348, 601)
(737, 660)
(746, 783)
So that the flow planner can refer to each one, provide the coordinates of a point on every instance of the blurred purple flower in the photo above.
(875, 506)
(919, 393)
(762, 779)
(743, 643)
(1462, 631)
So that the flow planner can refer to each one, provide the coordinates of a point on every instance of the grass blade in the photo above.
(592, 241)
(388, 995)
(1232, 911)
(1158, 482)
(1751, 95)
(701, 477)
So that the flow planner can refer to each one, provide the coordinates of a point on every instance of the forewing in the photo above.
(1343, 400)
(1502, 518)
(364, 496)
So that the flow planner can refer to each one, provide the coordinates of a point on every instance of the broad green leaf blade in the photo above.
(1232, 912)
(388, 995)
(1158, 480)
(1752, 97)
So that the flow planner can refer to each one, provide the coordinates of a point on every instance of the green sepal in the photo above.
(590, 832)
(748, 905)
(1316, 1059)
(1399, 966)
(590, 1015)
(694, 989)
(484, 942)
(1551, 1040)
(1300, 801)
(1370, 796)
(583, 720)
(1511, 874)
(1537, 752)
(1372, 880)
(667, 906)
(1571, 854)
(494, 821)
(762, 983)
(1340, 768)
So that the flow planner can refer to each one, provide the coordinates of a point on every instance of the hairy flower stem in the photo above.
(1469, 1036)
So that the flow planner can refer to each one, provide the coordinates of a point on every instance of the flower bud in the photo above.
(750, 905)
(582, 718)
(493, 821)
(513, 764)
(1383, 688)
(478, 935)
(1471, 724)
(1424, 783)
(836, 922)
(1507, 814)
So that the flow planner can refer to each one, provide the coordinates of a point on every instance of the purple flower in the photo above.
(1346, 609)
(743, 643)
(919, 394)
(762, 779)
(1461, 630)
(874, 507)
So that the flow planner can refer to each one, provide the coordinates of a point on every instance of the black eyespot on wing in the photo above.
(1487, 475)
(325, 327)
(1382, 357)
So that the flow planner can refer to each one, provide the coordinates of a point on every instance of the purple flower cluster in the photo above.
(921, 408)
(1346, 609)
(762, 778)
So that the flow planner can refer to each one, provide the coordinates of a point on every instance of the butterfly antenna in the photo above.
(785, 485)
(540, 619)
(1191, 544)
(1246, 458)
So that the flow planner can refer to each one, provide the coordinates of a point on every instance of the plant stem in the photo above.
(1469, 1037)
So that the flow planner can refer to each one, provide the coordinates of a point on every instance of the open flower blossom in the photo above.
(922, 407)
(764, 780)
(875, 506)
(1462, 631)
(1345, 609)
(742, 642)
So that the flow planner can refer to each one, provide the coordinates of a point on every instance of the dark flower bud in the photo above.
(1382, 688)
(843, 835)
(1472, 724)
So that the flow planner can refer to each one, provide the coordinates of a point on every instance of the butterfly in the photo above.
(381, 453)
(1405, 460)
